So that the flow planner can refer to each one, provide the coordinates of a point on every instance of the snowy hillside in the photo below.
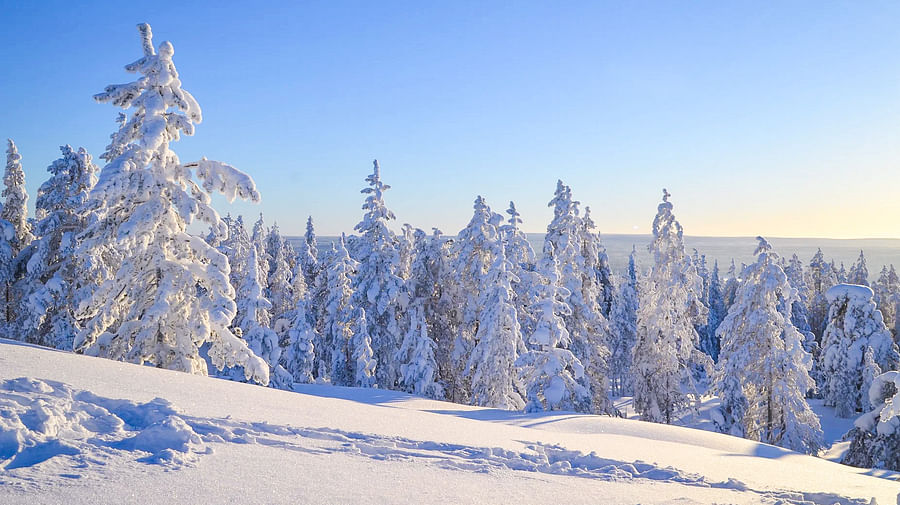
(75, 429)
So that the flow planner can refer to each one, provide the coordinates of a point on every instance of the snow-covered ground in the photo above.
(833, 427)
(75, 429)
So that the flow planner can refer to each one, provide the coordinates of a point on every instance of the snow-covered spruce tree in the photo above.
(278, 283)
(588, 328)
(15, 199)
(732, 283)
(291, 257)
(763, 372)
(666, 351)
(300, 292)
(237, 248)
(859, 273)
(318, 294)
(405, 244)
(235, 245)
(443, 318)
(497, 341)
(376, 286)
(418, 366)
(854, 324)
(521, 258)
(875, 438)
(363, 360)
(800, 317)
(597, 262)
(309, 254)
(272, 245)
(14, 211)
(553, 377)
(252, 305)
(50, 279)
(871, 370)
(840, 273)
(709, 342)
(515, 242)
(258, 238)
(473, 253)
(800, 307)
(417, 355)
(7, 236)
(699, 262)
(299, 356)
(214, 237)
(7, 305)
(887, 296)
(255, 323)
(150, 310)
(820, 277)
(334, 356)
(623, 325)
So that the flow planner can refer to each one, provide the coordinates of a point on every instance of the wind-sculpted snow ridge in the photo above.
(41, 420)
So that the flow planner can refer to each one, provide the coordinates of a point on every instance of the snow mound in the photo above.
(849, 291)
(168, 441)
(41, 420)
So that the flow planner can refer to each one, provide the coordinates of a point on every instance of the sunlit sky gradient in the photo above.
(774, 118)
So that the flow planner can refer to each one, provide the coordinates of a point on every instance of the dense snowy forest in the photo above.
(108, 267)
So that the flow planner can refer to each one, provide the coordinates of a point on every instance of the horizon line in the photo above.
(752, 237)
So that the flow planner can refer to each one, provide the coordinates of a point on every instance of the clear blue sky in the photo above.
(775, 118)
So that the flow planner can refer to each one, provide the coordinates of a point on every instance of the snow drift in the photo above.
(76, 429)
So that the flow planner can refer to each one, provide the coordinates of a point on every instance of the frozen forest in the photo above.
(110, 266)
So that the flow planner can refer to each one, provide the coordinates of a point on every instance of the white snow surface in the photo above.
(849, 291)
(77, 430)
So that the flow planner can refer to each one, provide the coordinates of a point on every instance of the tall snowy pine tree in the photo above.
(148, 308)
(334, 360)
(820, 277)
(376, 286)
(854, 326)
(13, 212)
(709, 342)
(309, 254)
(299, 356)
(363, 361)
(497, 341)
(521, 257)
(666, 351)
(255, 323)
(278, 285)
(577, 253)
(15, 199)
(419, 372)
(859, 273)
(875, 438)
(474, 252)
(623, 324)
(800, 307)
(553, 377)
(51, 278)
(887, 296)
(763, 372)
(732, 283)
